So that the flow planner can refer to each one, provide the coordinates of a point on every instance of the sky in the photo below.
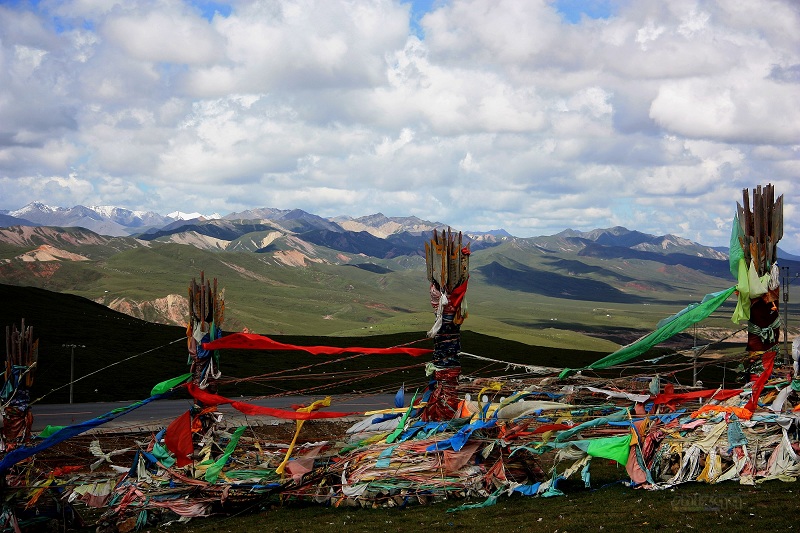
(530, 115)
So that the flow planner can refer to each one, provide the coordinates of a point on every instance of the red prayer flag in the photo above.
(251, 409)
(178, 439)
(253, 341)
(671, 400)
(457, 296)
(768, 360)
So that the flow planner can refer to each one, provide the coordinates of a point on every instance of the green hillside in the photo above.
(533, 303)
(126, 356)
(339, 299)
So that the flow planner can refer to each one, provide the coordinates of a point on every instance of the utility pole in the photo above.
(785, 282)
(72, 365)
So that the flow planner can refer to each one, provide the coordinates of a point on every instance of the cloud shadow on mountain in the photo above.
(526, 279)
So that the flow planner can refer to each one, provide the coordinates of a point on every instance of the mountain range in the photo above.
(400, 232)
(291, 272)
(106, 220)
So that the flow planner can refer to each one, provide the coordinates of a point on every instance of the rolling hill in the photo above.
(120, 358)
(298, 273)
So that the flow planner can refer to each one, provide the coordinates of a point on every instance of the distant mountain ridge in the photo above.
(105, 220)
(291, 272)
(117, 221)
(619, 237)
(294, 229)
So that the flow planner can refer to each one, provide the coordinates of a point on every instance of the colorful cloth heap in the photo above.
(524, 445)
(506, 436)
(513, 443)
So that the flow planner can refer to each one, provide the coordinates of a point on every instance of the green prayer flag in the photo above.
(679, 322)
(735, 252)
(212, 473)
(402, 424)
(616, 448)
(742, 311)
(49, 430)
(164, 386)
(162, 454)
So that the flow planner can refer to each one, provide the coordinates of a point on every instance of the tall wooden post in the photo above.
(760, 228)
(448, 272)
(206, 313)
(22, 353)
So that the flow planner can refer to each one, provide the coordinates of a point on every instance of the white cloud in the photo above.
(164, 36)
(647, 34)
(299, 45)
(737, 109)
(499, 114)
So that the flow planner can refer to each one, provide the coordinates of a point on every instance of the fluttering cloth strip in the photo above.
(768, 360)
(667, 328)
(677, 398)
(178, 439)
(250, 409)
(23, 452)
(252, 341)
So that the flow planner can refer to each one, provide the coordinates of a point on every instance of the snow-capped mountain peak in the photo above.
(34, 207)
(111, 211)
(179, 215)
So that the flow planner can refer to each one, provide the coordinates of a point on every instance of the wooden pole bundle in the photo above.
(761, 227)
(447, 260)
(21, 351)
(760, 230)
(206, 313)
(206, 303)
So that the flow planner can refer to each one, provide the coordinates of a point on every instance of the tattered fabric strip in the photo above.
(252, 341)
(677, 398)
(530, 369)
(178, 439)
(212, 473)
(667, 328)
(251, 409)
(164, 386)
(768, 360)
(299, 423)
(18, 454)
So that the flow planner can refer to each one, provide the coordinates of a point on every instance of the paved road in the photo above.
(160, 413)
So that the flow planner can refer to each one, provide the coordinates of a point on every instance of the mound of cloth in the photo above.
(500, 443)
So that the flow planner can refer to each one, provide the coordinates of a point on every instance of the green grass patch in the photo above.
(607, 506)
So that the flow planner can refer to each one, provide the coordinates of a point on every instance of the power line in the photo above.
(71, 381)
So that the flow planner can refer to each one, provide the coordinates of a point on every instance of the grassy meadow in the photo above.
(608, 505)
(525, 306)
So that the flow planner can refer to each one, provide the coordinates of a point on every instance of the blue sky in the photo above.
(574, 10)
(529, 115)
(210, 9)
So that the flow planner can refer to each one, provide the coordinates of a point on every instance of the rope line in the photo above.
(531, 369)
(106, 367)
